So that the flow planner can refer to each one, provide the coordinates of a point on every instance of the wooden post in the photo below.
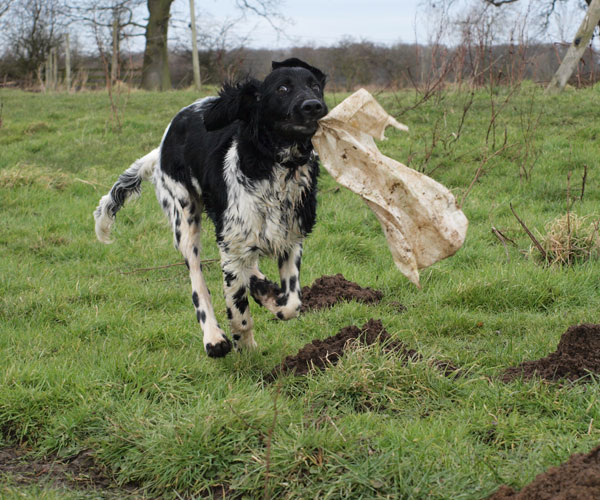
(54, 68)
(577, 49)
(68, 62)
(50, 70)
(47, 71)
(195, 60)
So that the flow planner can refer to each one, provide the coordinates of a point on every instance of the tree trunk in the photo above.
(577, 48)
(155, 71)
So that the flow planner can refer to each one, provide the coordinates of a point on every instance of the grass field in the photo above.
(97, 354)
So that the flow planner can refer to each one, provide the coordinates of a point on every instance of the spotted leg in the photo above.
(289, 273)
(284, 302)
(236, 276)
(184, 212)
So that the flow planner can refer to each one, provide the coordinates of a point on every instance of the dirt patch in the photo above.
(321, 353)
(329, 290)
(576, 479)
(577, 354)
(78, 472)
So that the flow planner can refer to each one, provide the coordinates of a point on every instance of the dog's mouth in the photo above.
(304, 128)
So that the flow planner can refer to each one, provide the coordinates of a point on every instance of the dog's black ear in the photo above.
(235, 102)
(294, 62)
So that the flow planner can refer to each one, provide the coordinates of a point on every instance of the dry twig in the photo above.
(530, 234)
(503, 239)
(585, 171)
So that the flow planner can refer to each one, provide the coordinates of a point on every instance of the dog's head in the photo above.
(289, 101)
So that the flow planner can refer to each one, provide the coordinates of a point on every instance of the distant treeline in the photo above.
(348, 65)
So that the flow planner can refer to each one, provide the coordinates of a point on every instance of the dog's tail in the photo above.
(128, 184)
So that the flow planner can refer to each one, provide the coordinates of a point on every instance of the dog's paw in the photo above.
(290, 309)
(218, 349)
(244, 342)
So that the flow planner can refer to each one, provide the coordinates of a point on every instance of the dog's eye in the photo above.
(283, 89)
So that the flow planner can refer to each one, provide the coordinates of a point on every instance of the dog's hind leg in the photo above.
(236, 276)
(184, 213)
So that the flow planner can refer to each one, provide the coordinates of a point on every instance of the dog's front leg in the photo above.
(290, 300)
(283, 302)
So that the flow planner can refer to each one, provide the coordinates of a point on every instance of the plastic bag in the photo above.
(419, 216)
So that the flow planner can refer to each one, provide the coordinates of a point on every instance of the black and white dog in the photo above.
(246, 159)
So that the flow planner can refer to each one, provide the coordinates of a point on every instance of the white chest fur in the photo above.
(261, 215)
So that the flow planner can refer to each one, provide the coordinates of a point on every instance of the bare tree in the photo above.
(545, 8)
(155, 71)
(4, 6)
(34, 28)
(577, 48)
(111, 21)
(223, 52)
(580, 42)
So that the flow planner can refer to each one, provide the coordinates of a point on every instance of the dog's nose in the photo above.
(311, 108)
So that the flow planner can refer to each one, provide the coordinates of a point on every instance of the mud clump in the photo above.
(576, 479)
(329, 290)
(319, 354)
(577, 354)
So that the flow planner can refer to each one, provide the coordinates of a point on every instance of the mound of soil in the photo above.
(577, 354)
(321, 353)
(329, 290)
(576, 479)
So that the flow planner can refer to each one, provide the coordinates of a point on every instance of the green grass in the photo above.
(92, 358)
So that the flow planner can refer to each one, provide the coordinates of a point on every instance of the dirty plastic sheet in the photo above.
(419, 216)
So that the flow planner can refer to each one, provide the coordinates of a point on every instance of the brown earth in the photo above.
(320, 354)
(577, 479)
(577, 354)
(329, 290)
(80, 471)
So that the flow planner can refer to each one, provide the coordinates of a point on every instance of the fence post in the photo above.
(68, 62)
(195, 61)
(47, 66)
(55, 68)
(114, 67)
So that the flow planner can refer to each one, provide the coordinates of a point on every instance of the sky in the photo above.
(326, 22)
(313, 22)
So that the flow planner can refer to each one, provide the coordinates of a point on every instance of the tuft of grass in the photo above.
(570, 239)
(24, 174)
(35, 127)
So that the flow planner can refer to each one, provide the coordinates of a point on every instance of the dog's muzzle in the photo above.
(312, 109)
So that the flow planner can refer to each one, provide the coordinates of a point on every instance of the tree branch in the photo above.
(499, 3)
(4, 6)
